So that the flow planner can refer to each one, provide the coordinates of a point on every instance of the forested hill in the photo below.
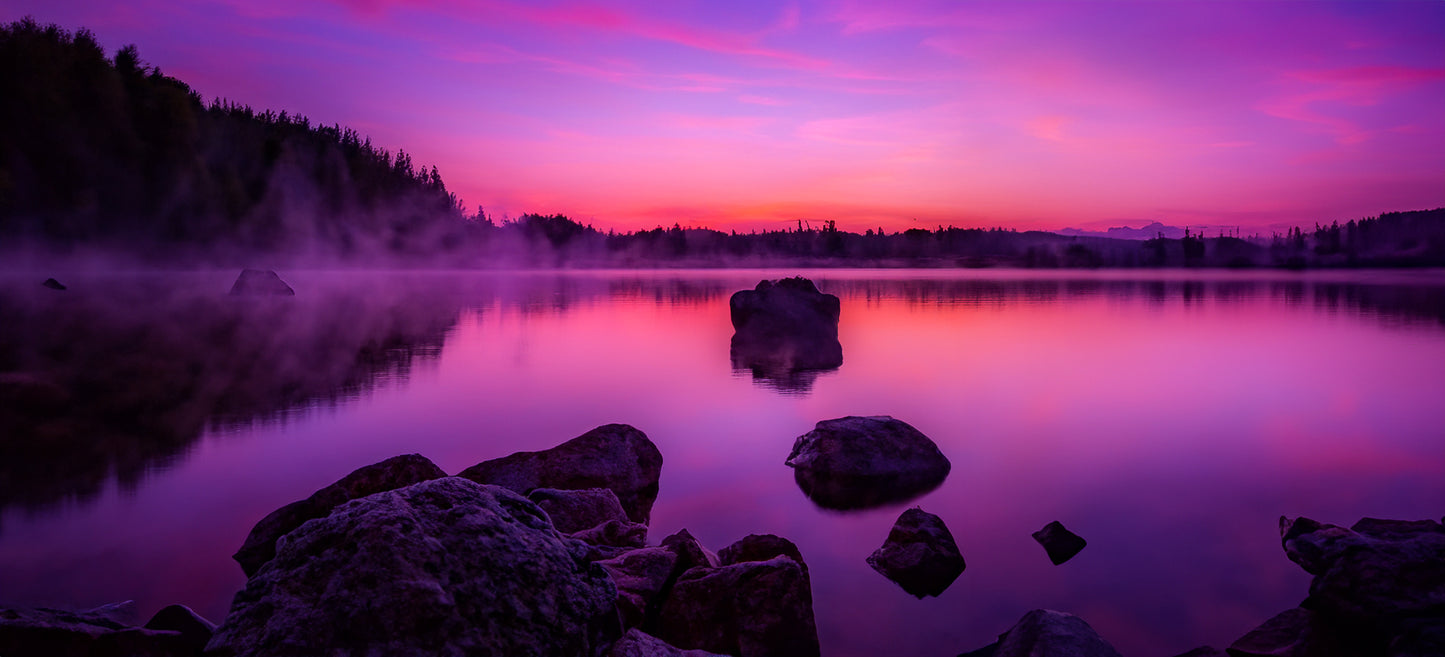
(111, 153)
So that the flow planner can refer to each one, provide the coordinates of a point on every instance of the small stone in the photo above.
(919, 555)
(1060, 543)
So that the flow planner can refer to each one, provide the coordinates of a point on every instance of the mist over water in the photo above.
(149, 421)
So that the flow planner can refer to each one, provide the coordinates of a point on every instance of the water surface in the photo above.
(1169, 418)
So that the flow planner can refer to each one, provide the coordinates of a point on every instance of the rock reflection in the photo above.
(861, 492)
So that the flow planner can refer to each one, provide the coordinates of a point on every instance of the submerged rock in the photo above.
(443, 567)
(784, 331)
(53, 284)
(261, 282)
(747, 609)
(637, 643)
(101, 631)
(1060, 543)
(395, 472)
(919, 555)
(576, 510)
(865, 462)
(613, 456)
(1043, 632)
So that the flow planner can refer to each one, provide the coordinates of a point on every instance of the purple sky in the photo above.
(753, 114)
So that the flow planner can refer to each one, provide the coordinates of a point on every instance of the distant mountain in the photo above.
(1148, 232)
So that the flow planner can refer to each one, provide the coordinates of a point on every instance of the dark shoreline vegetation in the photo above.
(110, 157)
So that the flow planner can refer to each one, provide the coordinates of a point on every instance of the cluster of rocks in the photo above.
(1378, 591)
(864, 462)
(536, 553)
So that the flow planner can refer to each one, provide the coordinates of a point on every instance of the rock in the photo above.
(919, 554)
(613, 456)
(639, 644)
(690, 552)
(761, 547)
(261, 282)
(1292, 633)
(865, 462)
(60, 633)
(1203, 651)
(1375, 578)
(195, 630)
(53, 284)
(1060, 543)
(443, 567)
(641, 577)
(785, 328)
(575, 510)
(614, 533)
(395, 472)
(745, 609)
(1044, 632)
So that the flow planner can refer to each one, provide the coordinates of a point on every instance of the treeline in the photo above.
(1396, 239)
(112, 152)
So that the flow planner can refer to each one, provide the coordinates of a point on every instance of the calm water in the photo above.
(1168, 418)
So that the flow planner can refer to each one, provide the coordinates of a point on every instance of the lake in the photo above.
(1168, 417)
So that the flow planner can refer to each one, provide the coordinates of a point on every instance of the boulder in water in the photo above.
(53, 284)
(613, 456)
(785, 332)
(1048, 632)
(919, 555)
(747, 609)
(865, 462)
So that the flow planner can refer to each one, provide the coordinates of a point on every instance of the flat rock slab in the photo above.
(1060, 543)
(393, 473)
(443, 567)
(613, 456)
(261, 282)
(919, 555)
(864, 462)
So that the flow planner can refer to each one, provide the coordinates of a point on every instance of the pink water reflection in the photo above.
(1169, 421)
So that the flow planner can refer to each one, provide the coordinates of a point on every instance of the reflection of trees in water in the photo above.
(1391, 301)
(118, 383)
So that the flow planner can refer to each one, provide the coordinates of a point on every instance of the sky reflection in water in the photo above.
(1169, 421)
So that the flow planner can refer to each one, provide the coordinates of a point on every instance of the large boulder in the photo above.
(1380, 581)
(785, 329)
(613, 456)
(637, 643)
(1060, 543)
(575, 510)
(100, 631)
(260, 282)
(747, 609)
(1044, 632)
(443, 567)
(865, 462)
(393, 473)
(919, 554)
